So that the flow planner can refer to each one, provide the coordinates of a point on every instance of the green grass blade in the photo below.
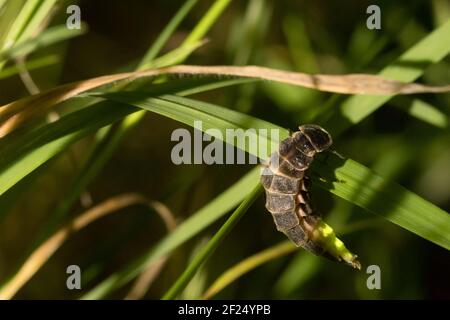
(203, 218)
(36, 17)
(96, 160)
(82, 122)
(7, 23)
(46, 38)
(2, 3)
(22, 19)
(31, 64)
(105, 149)
(24, 155)
(301, 269)
(164, 104)
(174, 56)
(347, 179)
(189, 111)
(299, 44)
(207, 21)
(212, 245)
(166, 33)
(14, 20)
(407, 68)
(423, 111)
(107, 144)
(362, 187)
(33, 160)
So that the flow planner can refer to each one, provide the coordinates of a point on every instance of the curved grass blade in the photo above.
(42, 254)
(109, 142)
(100, 155)
(15, 113)
(47, 141)
(106, 147)
(203, 218)
(345, 178)
(106, 144)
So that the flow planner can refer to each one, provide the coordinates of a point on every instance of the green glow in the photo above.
(325, 235)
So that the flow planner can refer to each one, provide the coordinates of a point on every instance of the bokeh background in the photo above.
(308, 36)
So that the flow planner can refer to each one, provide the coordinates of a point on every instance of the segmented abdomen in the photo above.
(287, 199)
(286, 186)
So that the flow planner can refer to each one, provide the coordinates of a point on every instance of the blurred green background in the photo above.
(309, 36)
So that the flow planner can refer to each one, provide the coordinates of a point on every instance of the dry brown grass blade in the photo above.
(38, 258)
(16, 112)
(146, 278)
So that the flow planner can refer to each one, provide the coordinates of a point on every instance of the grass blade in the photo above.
(207, 21)
(212, 245)
(248, 264)
(407, 68)
(106, 144)
(77, 124)
(346, 178)
(349, 84)
(362, 187)
(46, 38)
(423, 111)
(203, 218)
(30, 65)
(166, 33)
(21, 20)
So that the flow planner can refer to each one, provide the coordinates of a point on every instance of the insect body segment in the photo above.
(287, 196)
